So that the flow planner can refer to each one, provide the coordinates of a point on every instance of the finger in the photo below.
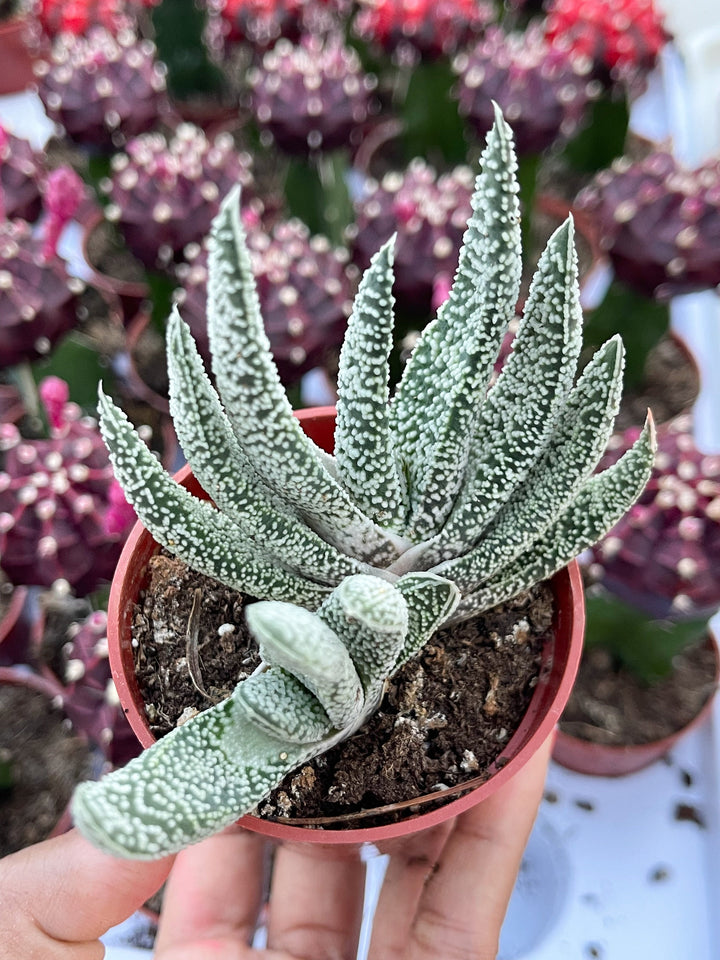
(412, 860)
(316, 901)
(214, 891)
(222, 949)
(463, 905)
(70, 891)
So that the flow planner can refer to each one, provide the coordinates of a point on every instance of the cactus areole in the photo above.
(435, 505)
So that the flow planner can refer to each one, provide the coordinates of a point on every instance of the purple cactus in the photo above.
(102, 89)
(313, 96)
(38, 298)
(21, 173)
(55, 500)
(305, 288)
(89, 696)
(659, 222)
(429, 214)
(421, 28)
(544, 91)
(663, 556)
(164, 192)
(259, 23)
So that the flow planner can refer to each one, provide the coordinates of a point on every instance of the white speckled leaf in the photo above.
(304, 645)
(191, 529)
(364, 453)
(225, 473)
(602, 500)
(258, 410)
(444, 383)
(571, 456)
(431, 600)
(194, 782)
(523, 406)
(371, 618)
(278, 703)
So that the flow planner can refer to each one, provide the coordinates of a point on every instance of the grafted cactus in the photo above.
(437, 504)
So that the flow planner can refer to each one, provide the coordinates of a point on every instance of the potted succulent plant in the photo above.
(437, 505)
(651, 665)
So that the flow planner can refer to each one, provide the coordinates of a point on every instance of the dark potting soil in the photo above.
(149, 357)
(671, 385)
(445, 717)
(108, 254)
(47, 760)
(611, 706)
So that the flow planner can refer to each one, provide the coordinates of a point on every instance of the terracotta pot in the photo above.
(15, 629)
(559, 667)
(127, 294)
(16, 72)
(617, 760)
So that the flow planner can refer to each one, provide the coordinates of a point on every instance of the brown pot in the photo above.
(138, 328)
(617, 760)
(127, 295)
(557, 673)
(16, 61)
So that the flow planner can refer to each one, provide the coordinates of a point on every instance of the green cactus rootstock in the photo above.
(458, 492)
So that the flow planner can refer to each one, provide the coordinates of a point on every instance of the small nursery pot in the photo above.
(617, 760)
(141, 327)
(129, 294)
(557, 673)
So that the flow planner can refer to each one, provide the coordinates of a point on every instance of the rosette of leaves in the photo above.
(437, 503)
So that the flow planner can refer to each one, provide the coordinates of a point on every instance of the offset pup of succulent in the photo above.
(437, 504)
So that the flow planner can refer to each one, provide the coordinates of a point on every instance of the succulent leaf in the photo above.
(446, 376)
(522, 408)
(364, 453)
(431, 600)
(602, 500)
(193, 530)
(303, 644)
(282, 706)
(371, 618)
(226, 474)
(257, 406)
(194, 782)
(571, 456)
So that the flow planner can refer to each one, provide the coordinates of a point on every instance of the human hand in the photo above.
(445, 892)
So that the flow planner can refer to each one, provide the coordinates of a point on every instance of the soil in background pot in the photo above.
(610, 706)
(108, 254)
(47, 761)
(445, 716)
(671, 385)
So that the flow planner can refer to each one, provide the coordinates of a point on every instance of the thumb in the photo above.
(73, 892)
